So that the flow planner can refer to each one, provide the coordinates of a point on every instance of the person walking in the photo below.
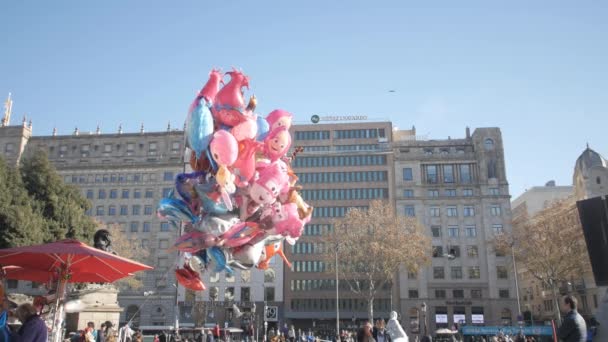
(101, 337)
(291, 334)
(573, 328)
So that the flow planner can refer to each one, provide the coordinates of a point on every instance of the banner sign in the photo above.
(538, 330)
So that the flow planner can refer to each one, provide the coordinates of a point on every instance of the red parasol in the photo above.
(85, 263)
(67, 261)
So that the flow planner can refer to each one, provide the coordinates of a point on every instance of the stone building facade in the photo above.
(458, 189)
(124, 175)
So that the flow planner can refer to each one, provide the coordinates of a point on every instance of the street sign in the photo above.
(271, 313)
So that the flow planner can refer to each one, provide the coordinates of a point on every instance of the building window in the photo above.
(467, 192)
(412, 275)
(230, 278)
(437, 251)
(245, 294)
(175, 146)
(125, 193)
(452, 211)
(488, 144)
(112, 210)
(130, 147)
(148, 210)
(12, 284)
(89, 194)
(407, 174)
(137, 209)
(100, 210)
(166, 192)
(434, 212)
(494, 191)
(134, 227)
(458, 293)
(504, 293)
(164, 226)
(168, 176)
(476, 294)
(136, 193)
(113, 193)
(454, 250)
(497, 228)
(152, 146)
(149, 193)
(501, 272)
(450, 192)
(409, 211)
(456, 272)
(163, 244)
(408, 193)
(413, 293)
(124, 210)
(470, 231)
(438, 273)
(269, 294)
(431, 174)
(436, 231)
(269, 276)
(440, 294)
(495, 210)
(101, 194)
(465, 173)
(468, 211)
(448, 173)
(9, 148)
(474, 272)
(229, 294)
(245, 276)
(433, 193)
(453, 231)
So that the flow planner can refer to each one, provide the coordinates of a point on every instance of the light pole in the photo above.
(265, 326)
(516, 282)
(337, 298)
(423, 310)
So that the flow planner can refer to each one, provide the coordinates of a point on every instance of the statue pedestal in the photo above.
(101, 306)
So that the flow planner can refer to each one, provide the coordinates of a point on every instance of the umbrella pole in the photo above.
(59, 311)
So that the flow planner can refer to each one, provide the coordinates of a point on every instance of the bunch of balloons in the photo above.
(241, 200)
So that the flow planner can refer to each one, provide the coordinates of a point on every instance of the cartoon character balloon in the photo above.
(240, 203)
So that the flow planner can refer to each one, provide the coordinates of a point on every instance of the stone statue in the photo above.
(395, 330)
(102, 241)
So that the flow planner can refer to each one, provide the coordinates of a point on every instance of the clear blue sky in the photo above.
(538, 71)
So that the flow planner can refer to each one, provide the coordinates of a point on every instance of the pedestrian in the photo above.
(216, 331)
(33, 328)
(101, 337)
(91, 326)
(292, 334)
(109, 333)
(379, 332)
(138, 337)
(156, 339)
(365, 333)
(573, 328)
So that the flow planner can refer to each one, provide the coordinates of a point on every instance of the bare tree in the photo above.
(131, 248)
(370, 246)
(550, 245)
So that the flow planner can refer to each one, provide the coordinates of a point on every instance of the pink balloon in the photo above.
(244, 166)
(247, 129)
(279, 118)
(229, 105)
(277, 143)
(224, 148)
(209, 90)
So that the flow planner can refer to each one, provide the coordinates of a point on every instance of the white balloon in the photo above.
(76, 305)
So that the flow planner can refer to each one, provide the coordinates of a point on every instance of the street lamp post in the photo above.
(423, 310)
(337, 298)
(265, 327)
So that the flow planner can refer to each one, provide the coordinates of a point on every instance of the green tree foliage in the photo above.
(19, 223)
(36, 206)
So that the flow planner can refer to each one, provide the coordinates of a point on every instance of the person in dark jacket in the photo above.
(573, 328)
(33, 328)
(380, 334)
